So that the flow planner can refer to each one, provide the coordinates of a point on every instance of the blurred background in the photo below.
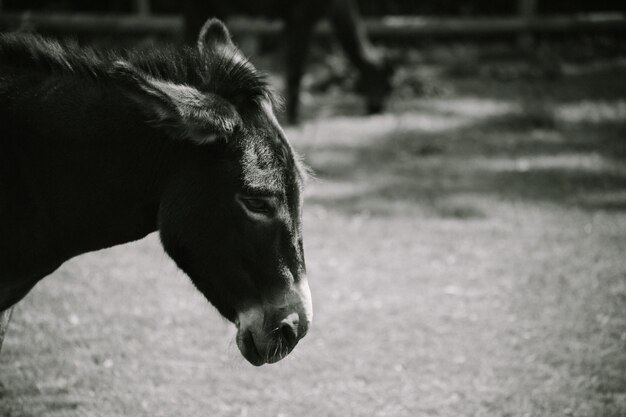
(466, 246)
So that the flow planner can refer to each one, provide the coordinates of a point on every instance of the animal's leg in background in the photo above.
(347, 25)
(299, 26)
(5, 317)
(375, 75)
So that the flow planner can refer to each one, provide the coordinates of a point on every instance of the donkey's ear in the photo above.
(154, 102)
(214, 35)
(182, 110)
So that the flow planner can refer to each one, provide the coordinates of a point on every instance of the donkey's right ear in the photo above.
(214, 35)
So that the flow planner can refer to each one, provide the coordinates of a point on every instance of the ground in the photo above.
(465, 254)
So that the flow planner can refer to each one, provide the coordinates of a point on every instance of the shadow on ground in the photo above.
(556, 151)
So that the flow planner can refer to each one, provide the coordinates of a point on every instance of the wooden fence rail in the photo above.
(386, 27)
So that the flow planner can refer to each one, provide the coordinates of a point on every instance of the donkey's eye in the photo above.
(260, 205)
(256, 204)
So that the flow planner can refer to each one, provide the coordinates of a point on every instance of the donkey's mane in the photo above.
(224, 72)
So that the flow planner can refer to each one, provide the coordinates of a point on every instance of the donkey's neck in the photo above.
(87, 173)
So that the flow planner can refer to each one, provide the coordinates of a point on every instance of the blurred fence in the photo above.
(456, 8)
(384, 19)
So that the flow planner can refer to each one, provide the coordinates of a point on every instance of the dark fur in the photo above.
(95, 151)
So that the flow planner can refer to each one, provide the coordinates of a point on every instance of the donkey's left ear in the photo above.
(182, 110)
(214, 35)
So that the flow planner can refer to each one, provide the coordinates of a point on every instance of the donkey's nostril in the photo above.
(289, 334)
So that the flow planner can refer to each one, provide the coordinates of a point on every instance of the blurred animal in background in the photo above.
(300, 18)
(99, 149)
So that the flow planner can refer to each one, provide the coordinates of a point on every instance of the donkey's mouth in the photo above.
(245, 343)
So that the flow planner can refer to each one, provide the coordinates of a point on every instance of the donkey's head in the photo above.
(230, 213)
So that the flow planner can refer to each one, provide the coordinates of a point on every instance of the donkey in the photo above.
(300, 18)
(102, 148)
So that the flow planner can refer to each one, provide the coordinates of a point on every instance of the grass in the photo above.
(466, 258)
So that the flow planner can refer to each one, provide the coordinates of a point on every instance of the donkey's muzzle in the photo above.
(260, 345)
(269, 332)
